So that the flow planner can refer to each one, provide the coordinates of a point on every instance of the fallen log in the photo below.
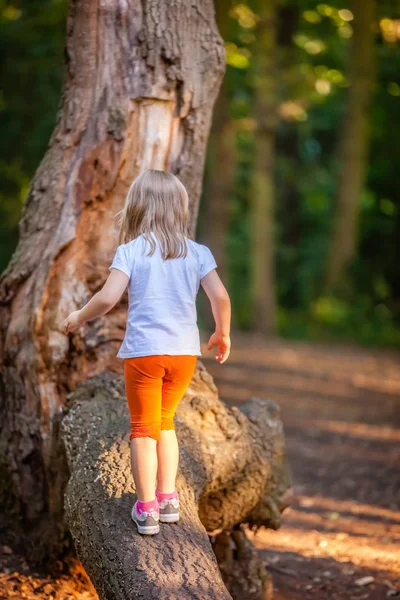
(232, 472)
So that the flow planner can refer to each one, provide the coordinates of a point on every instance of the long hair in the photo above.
(156, 202)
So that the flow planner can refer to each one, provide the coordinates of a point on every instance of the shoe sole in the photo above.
(169, 518)
(146, 529)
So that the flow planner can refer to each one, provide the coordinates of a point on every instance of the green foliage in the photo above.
(312, 79)
(31, 46)
(314, 42)
(337, 320)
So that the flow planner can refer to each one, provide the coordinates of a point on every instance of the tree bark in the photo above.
(353, 143)
(140, 82)
(232, 471)
(263, 186)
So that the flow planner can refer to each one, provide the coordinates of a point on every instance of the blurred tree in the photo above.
(353, 144)
(221, 161)
(221, 170)
(288, 134)
(262, 202)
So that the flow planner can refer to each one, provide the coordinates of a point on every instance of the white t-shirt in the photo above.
(162, 317)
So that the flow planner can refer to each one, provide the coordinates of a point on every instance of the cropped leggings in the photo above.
(154, 387)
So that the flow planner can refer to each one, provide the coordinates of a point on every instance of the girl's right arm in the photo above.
(221, 309)
(101, 303)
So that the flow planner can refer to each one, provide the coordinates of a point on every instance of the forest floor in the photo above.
(341, 413)
(340, 408)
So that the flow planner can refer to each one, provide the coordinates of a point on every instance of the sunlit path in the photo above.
(341, 412)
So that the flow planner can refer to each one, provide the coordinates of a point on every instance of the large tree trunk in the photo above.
(232, 471)
(140, 83)
(263, 187)
(353, 144)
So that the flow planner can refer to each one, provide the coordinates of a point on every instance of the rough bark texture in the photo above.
(354, 141)
(263, 186)
(232, 470)
(140, 82)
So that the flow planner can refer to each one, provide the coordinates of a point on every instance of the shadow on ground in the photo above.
(341, 413)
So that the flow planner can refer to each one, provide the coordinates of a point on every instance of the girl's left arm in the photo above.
(101, 303)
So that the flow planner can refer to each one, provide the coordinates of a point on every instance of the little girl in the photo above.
(164, 269)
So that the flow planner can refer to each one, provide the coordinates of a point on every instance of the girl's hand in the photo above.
(223, 343)
(72, 322)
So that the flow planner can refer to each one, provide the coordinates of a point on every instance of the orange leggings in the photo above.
(154, 387)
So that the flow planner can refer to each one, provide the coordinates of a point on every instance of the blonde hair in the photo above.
(156, 202)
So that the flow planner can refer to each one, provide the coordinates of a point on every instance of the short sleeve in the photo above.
(121, 261)
(207, 262)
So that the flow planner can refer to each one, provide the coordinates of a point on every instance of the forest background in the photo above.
(300, 200)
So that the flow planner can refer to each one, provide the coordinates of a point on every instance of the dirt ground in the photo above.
(341, 412)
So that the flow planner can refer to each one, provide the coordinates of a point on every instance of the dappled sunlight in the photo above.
(340, 408)
(283, 379)
(321, 527)
(365, 511)
(335, 361)
(354, 429)
(343, 547)
(298, 375)
(294, 402)
(266, 133)
(386, 385)
(338, 545)
(358, 453)
(354, 525)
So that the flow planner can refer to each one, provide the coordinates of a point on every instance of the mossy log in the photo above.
(232, 472)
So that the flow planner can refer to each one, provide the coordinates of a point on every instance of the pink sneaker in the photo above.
(147, 522)
(169, 507)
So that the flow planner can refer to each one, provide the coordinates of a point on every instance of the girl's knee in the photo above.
(145, 430)
(167, 422)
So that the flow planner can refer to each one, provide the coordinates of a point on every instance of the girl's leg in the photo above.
(143, 383)
(168, 460)
(177, 378)
(144, 466)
